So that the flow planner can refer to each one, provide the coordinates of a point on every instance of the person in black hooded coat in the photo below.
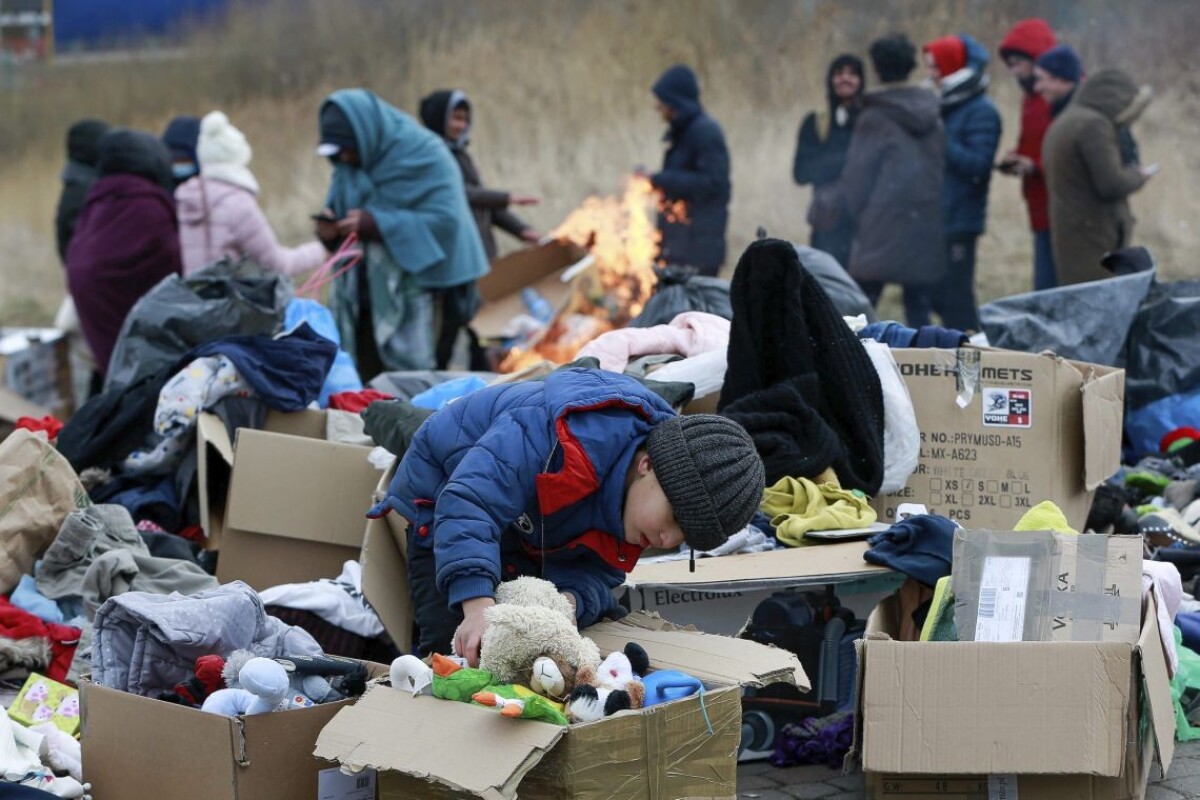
(799, 381)
(696, 171)
(823, 143)
(447, 112)
(77, 177)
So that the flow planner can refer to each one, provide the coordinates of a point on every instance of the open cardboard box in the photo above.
(34, 365)
(430, 748)
(138, 747)
(540, 267)
(1038, 720)
(1002, 431)
(295, 504)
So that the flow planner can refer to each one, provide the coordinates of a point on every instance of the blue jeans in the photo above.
(953, 297)
(1044, 276)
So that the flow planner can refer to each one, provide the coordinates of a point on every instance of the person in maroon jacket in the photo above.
(126, 239)
(1020, 48)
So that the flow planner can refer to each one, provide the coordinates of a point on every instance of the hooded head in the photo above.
(1028, 39)
(946, 55)
(958, 62)
(893, 57)
(437, 110)
(336, 132)
(678, 90)
(127, 152)
(83, 139)
(1114, 94)
(845, 63)
(180, 138)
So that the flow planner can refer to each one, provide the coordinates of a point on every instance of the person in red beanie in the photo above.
(1019, 49)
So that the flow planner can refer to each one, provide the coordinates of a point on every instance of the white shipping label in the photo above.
(1002, 787)
(333, 784)
(1002, 599)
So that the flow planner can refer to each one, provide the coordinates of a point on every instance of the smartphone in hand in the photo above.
(323, 218)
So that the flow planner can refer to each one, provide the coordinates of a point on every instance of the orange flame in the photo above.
(622, 237)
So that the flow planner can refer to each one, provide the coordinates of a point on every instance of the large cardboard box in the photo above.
(541, 268)
(430, 748)
(723, 592)
(34, 365)
(137, 747)
(687, 748)
(295, 505)
(1034, 720)
(1001, 431)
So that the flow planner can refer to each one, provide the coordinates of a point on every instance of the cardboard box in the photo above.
(1035, 720)
(723, 592)
(540, 267)
(296, 502)
(136, 747)
(34, 365)
(1043, 586)
(457, 750)
(1001, 431)
(664, 751)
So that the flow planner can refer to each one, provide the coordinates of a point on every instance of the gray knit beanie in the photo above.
(711, 473)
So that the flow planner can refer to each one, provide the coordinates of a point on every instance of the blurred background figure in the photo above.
(1089, 181)
(180, 138)
(891, 186)
(1021, 47)
(696, 171)
(396, 186)
(447, 113)
(126, 239)
(956, 66)
(218, 209)
(823, 142)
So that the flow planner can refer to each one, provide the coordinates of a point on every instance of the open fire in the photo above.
(613, 282)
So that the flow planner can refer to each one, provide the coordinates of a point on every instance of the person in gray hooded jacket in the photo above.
(891, 185)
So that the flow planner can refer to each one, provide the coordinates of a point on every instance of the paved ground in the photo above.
(762, 781)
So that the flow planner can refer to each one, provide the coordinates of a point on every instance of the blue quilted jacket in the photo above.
(528, 479)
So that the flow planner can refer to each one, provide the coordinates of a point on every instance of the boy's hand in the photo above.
(470, 632)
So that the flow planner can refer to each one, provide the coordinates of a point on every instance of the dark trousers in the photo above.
(434, 621)
(916, 301)
(837, 242)
(953, 297)
(1044, 276)
(456, 308)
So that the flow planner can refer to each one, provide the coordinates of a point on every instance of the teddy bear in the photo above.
(531, 639)
(613, 686)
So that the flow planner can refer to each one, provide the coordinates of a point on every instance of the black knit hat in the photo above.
(711, 473)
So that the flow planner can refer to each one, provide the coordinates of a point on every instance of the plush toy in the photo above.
(307, 679)
(262, 687)
(450, 680)
(531, 639)
(60, 750)
(612, 686)
(665, 685)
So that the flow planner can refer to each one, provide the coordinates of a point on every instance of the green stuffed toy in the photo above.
(451, 681)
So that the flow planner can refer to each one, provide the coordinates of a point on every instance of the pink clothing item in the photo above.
(689, 334)
(218, 219)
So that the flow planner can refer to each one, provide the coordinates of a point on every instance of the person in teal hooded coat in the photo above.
(398, 188)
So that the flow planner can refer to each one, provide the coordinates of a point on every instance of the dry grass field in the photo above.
(562, 103)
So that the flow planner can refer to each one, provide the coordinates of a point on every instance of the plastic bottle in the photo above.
(539, 307)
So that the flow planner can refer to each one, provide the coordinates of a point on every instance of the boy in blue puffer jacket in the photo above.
(567, 479)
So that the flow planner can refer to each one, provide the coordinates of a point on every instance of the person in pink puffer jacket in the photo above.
(219, 213)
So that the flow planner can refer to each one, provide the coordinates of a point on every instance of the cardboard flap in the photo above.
(814, 565)
(300, 488)
(385, 579)
(1157, 685)
(541, 267)
(1103, 418)
(430, 739)
(995, 708)
(13, 407)
(712, 659)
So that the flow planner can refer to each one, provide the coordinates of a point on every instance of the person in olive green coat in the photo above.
(1089, 185)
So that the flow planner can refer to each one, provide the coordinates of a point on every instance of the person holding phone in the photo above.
(1019, 49)
(1089, 180)
(396, 187)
